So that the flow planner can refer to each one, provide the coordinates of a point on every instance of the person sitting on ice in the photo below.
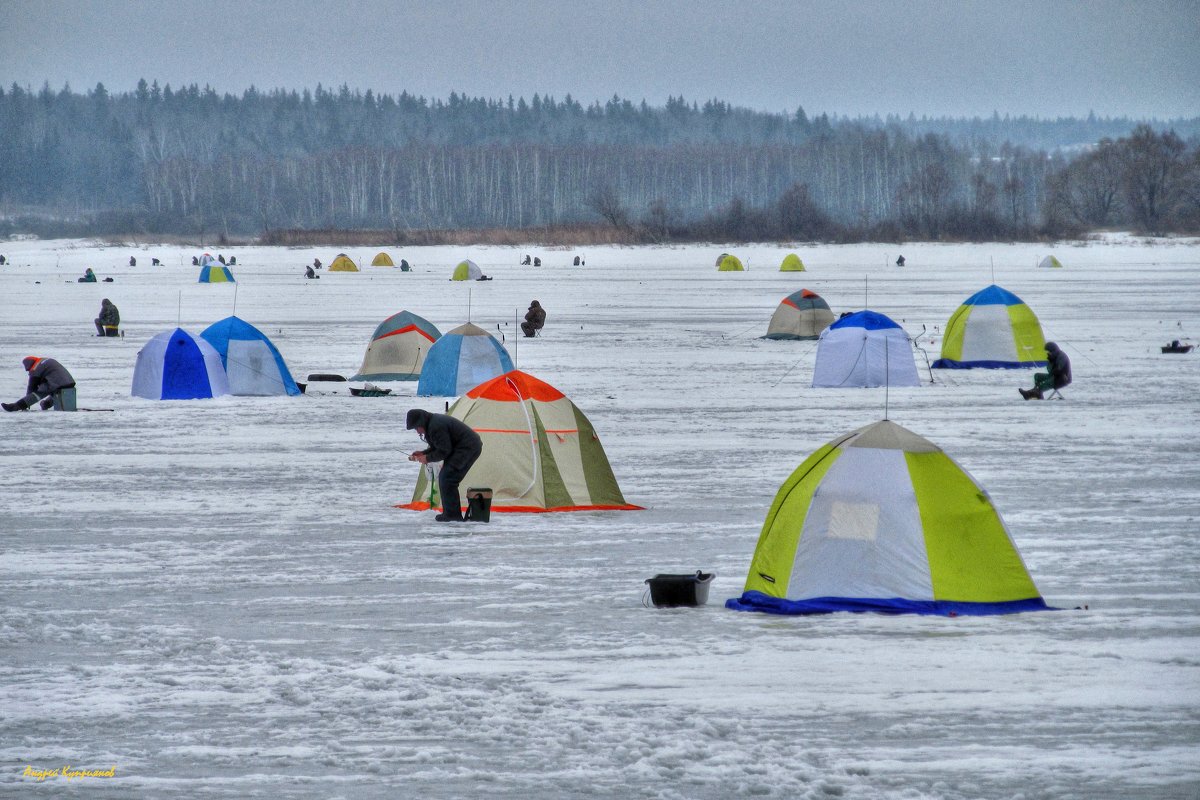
(309, 272)
(535, 319)
(109, 319)
(1058, 376)
(88, 276)
(47, 379)
(900, 261)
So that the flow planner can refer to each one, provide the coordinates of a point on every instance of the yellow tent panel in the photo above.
(343, 264)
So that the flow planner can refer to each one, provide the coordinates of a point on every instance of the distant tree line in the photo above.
(187, 161)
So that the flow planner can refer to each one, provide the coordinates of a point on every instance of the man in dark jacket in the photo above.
(1058, 376)
(535, 318)
(47, 378)
(109, 319)
(452, 442)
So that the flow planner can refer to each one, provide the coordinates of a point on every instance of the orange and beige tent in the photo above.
(540, 452)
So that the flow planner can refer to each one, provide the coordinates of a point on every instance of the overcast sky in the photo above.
(929, 57)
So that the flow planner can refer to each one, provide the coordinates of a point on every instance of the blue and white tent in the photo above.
(175, 365)
(461, 360)
(864, 349)
(251, 361)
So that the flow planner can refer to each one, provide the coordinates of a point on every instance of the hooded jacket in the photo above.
(46, 376)
(109, 315)
(536, 315)
(1059, 364)
(449, 439)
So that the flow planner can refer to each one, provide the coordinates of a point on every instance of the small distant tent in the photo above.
(992, 329)
(540, 453)
(252, 363)
(207, 259)
(215, 272)
(801, 315)
(882, 520)
(730, 263)
(382, 259)
(461, 360)
(343, 263)
(398, 349)
(175, 365)
(791, 263)
(864, 349)
(1050, 262)
(467, 271)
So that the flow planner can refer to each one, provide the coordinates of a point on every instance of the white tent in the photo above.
(864, 349)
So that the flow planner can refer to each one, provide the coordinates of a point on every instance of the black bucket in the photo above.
(479, 504)
(680, 590)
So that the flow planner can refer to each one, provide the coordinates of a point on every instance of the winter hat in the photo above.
(1051, 347)
(28, 362)
(416, 417)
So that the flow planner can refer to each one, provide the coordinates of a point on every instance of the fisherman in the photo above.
(88, 276)
(1058, 376)
(47, 379)
(109, 319)
(525, 261)
(535, 319)
(452, 442)
(309, 272)
(132, 261)
(900, 261)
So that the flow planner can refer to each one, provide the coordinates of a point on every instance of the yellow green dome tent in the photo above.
(881, 519)
(343, 264)
(992, 329)
(729, 263)
(1050, 261)
(382, 259)
(792, 263)
(467, 270)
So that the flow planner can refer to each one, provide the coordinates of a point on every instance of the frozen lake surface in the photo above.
(219, 598)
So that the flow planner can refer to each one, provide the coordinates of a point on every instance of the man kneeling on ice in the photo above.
(452, 442)
(47, 379)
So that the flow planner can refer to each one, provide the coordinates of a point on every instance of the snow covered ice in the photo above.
(219, 598)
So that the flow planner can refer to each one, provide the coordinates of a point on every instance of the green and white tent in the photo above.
(1050, 262)
(992, 329)
(467, 271)
(882, 520)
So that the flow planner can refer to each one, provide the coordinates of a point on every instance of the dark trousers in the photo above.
(450, 476)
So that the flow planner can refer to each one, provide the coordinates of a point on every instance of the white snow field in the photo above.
(218, 598)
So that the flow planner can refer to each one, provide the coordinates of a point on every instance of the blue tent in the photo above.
(461, 360)
(253, 364)
(175, 365)
(864, 349)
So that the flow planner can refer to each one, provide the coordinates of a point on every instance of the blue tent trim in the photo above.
(871, 320)
(993, 295)
(184, 375)
(948, 363)
(757, 601)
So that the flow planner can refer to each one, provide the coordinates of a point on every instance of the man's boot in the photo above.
(1029, 394)
(20, 405)
(48, 403)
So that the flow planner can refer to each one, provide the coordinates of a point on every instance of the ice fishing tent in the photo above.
(343, 263)
(467, 271)
(882, 520)
(1050, 261)
(207, 259)
(461, 360)
(398, 349)
(215, 272)
(175, 365)
(252, 363)
(992, 329)
(864, 349)
(540, 453)
(382, 259)
(791, 263)
(800, 315)
(729, 263)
